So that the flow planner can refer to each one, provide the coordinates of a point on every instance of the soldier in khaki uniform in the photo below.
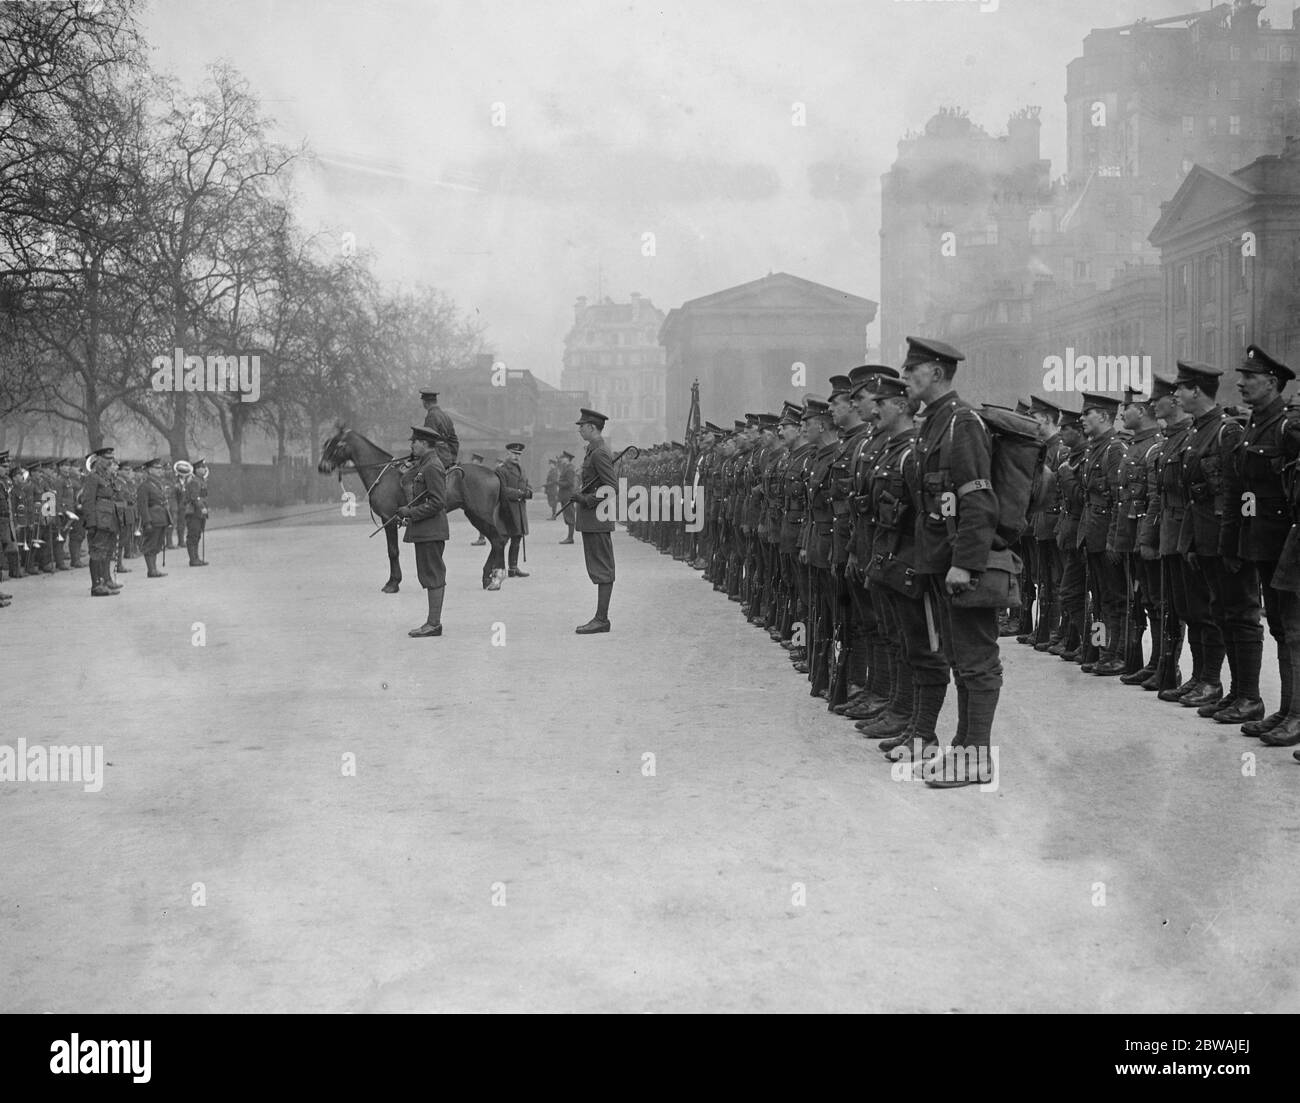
(155, 515)
(424, 487)
(597, 534)
(515, 512)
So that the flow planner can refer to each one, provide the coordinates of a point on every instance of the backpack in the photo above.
(1017, 453)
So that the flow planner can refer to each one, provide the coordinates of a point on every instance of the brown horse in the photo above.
(475, 489)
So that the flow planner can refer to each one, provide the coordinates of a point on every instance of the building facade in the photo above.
(745, 345)
(613, 353)
(1230, 261)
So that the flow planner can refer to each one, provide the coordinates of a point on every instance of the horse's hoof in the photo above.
(391, 588)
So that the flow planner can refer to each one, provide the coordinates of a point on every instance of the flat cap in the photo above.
(926, 350)
(890, 388)
(420, 432)
(1106, 403)
(1258, 362)
(840, 386)
(1204, 377)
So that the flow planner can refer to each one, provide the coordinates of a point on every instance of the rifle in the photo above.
(1133, 637)
(394, 517)
(1087, 649)
(838, 690)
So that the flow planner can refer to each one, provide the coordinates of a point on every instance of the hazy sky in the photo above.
(623, 119)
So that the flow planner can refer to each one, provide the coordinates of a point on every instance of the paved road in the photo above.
(501, 846)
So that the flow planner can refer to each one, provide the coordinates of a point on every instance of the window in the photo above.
(1182, 347)
(1212, 123)
(1241, 270)
(1189, 125)
(1272, 51)
(1210, 345)
(1241, 326)
(1082, 270)
(1212, 279)
(1234, 124)
(1277, 89)
(1287, 53)
(1235, 53)
(1234, 90)
(1180, 286)
(1187, 166)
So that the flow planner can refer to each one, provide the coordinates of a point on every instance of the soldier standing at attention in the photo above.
(155, 516)
(1143, 562)
(567, 485)
(1047, 556)
(552, 486)
(953, 476)
(99, 510)
(816, 545)
(1171, 506)
(1212, 438)
(597, 535)
(8, 551)
(125, 538)
(517, 493)
(195, 493)
(437, 419)
(424, 485)
(1257, 518)
(1100, 478)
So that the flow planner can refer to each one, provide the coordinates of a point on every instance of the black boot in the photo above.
(433, 625)
(600, 622)
(981, 706)
(1259, 727)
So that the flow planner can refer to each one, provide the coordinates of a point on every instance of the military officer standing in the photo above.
(1257, 520)
(566, 485)
(1226, 612)
(155, 516)
(597, 534)
(517, 494)
(194, 492)
(957, 514)
(1100, 484)
(424, 486)
(1142, 564)
(437, 419)
(101, 511)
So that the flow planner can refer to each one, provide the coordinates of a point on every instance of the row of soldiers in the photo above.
(50, 509)
(837, 526)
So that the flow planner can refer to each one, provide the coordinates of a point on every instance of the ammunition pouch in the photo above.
(998, 586)
(894, 573)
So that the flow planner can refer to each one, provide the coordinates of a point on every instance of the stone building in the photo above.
(743, 344)
(612, 352)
